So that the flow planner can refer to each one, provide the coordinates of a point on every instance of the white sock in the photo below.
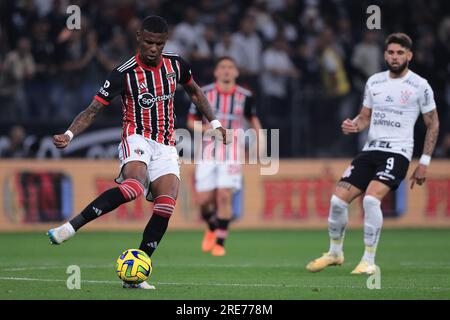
(337, 221)
(373, 221)
(69, 228)
(369, 254)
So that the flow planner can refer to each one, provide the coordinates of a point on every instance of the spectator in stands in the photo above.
(225, 46)
(16, 148)
(172, 44)
(336, 89)
(115, 51)
(81, 73)
(367, 59)
(278, 69)
(248, 52)
(43, 51)
(188, 31)
(202, 56)
(17, 68)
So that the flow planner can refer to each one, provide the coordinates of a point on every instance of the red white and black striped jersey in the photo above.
(147, 95)
(230, 108)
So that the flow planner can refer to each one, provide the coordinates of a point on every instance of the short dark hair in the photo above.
(400, 38)
(220, 59)
(155, 24)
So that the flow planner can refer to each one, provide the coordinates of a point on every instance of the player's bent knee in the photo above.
(338, 203)
(224, 196)
(131, 189)
(370, 202)
(164, 206)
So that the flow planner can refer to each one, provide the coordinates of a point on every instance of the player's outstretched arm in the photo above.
(359, 123)
(431, 120)
(79, 124)
(201, 102)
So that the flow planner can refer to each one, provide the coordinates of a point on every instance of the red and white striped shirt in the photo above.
(147, 95)
(230, 108)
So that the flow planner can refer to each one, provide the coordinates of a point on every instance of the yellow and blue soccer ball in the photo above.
(134, 266)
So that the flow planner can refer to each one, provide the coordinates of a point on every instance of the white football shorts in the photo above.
(159, 158)
(213, 175)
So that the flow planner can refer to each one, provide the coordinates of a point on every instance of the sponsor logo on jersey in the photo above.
(387, 123)
(139, 152)
(389, 99)
(382, 175)
(412, 84)
(105, 86)
(426, 98)
(380, 144)
(147, 100)
(378, 82)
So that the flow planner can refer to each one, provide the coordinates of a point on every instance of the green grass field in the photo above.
(415, 264)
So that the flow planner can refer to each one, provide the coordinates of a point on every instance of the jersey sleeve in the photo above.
(185, 73)
(249, 107)
(426, 98)
(112, 87)
(367, 100)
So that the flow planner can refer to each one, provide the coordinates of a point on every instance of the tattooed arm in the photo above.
(79, 124)
(198, 98)
(432, 123)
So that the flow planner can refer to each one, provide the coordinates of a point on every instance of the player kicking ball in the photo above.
(149, 165)
(392, 102)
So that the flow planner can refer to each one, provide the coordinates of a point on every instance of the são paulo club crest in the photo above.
(171, 77)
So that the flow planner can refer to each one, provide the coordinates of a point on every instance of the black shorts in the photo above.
(386, 167)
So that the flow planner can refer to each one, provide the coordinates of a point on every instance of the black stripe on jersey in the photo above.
(137, 107)
(230, 121)
(176, 69)
(166, 88)
(153, 110)
(217, 103)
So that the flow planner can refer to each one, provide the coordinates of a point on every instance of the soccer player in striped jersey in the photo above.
(146, 84)
(216, 181)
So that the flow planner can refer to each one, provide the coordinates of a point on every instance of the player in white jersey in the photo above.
(392, 103)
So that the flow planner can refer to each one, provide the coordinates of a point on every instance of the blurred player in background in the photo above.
(393, 100)
(149, 160)
(217, 180)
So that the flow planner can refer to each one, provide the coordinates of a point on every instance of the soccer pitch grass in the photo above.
(415, 264)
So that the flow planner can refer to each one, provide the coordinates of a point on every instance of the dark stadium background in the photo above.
(69, 69)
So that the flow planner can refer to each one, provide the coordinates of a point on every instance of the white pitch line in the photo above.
(250, 285)
(165, 265)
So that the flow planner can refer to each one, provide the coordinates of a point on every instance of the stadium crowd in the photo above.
(306, 60)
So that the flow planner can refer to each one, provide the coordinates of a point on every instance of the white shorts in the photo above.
(159, 158)
(211, 175)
